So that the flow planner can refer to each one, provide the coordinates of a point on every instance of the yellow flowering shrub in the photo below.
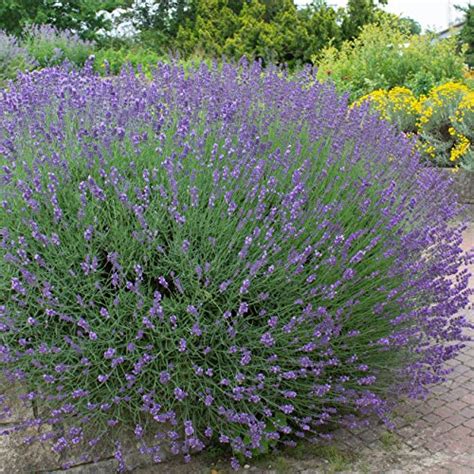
(398, 105)
(443, 100)
(463, 123)
(442, 120)
(445, 136)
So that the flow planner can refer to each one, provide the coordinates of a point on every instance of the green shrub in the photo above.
(114, 60)
(446, 125)
(383, 57)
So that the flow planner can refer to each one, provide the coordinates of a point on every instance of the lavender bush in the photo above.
(224, 256)
(50, 46)
(13, 58)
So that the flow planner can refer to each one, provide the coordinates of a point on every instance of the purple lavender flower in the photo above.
(109, 353)
(179, 394)
(267, 340)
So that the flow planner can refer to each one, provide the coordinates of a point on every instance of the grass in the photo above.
(389, 440)
(337, 460)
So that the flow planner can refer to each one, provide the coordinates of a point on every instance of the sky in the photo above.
(432, 14)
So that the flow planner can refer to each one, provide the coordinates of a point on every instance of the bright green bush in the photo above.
(50, 46)
(114, 60)
(383, 57)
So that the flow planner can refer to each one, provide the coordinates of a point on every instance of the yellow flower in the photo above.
(448, 90)
(460, 149)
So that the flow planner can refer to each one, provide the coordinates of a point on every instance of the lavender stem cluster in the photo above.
(225, 255)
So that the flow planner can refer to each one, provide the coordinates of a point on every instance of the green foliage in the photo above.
(214, 23)
(158, 21)
(269, 30)
(467, 34)
(410, 25)
(322, 27)
(384, 56)
(113, 60)
(254, 35)
(358, 14)
(14, 14)
(290, 35)
(78, 15)
(390, 441)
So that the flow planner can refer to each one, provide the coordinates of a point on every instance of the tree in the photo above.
(410, 25)
(321, 23)
(357, 14)
(254, 36)
(14, 14)
(214, 23)
(467, 33)
(78, 15)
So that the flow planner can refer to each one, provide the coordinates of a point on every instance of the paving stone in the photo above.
(469, 423)
(18, 458)
(434, 445)
(12, 410)
(444, 412)
(102, 467)
(457, 420)
(469, 399)
(458, 405)
(460, 432)
(468, 412)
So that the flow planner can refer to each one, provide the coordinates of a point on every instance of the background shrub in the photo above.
(442, 121)
(467, 33)
(383, 57)
(50, 46)
(218, 256)
(13, 58)
(113, 60)
(398, 105)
